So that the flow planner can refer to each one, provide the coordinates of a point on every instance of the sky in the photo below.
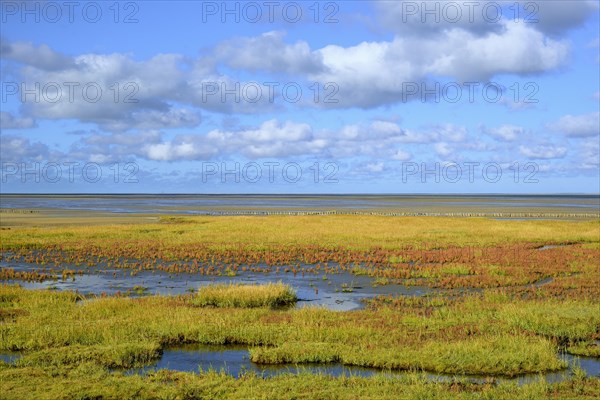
(300, 97)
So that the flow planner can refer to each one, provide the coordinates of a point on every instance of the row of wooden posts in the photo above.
(379, 213)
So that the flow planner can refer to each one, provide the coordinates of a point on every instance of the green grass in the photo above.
(564, 321)
(116, 355)
(89, 381)
(356, 231)
(585, 348)
(486, 356)
(477, 335)
(246, 296)
(70, 343)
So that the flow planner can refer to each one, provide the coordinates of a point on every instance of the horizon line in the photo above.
(291, 194)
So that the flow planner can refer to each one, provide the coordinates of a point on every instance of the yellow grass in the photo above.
(246, 296)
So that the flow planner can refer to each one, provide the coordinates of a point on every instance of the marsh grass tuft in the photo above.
(585, 348)
(246, 296)
(122, 355)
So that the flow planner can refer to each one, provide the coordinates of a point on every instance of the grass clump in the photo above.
(586, 348)
(564, 321)
(246, 296)
(490, 356)
(125, 355)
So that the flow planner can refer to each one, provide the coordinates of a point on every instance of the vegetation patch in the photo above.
(585, 348)
(89, 381)
(528, 306)
(487, 356)
(118, 355)
(246, 296)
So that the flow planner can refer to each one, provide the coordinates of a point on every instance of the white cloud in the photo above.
(450, 132)
(42, 57)
(271, 139)
(589, 155)
(508, 133)
(155, 119)
(374, 167)
(375, 73)
(157, 92)
(443, 149)
(273, 130)
(170, 151)
(268, 52)
(557, 16)
(113, 91)
(517, 49)
(578, 126)
(543, 151)
(19, 149)
(432, 18)
(113, 147)
(369, 74)
(224, 94)
(400, 155)
(9, 121)
(130, 140)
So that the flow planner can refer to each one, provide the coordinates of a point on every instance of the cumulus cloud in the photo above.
(269, 52)
(400, 155)
(557, 16)
(375, 73)
(19, 149)
(225, 94)
(589, 155)
(117, 92)
(578, 126)
(42, 56)
(374, 167)
(443, 149)
(482, 17)
(129, 140)
(271, 139)
(181, 148)
(543, 151)
(111, 90)
(518, 49)
(154, 119)
(508, 133)
(450, 132)
(432, 18)
(10, 121)
(112, 147)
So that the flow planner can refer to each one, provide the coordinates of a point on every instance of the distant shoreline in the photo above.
(478, 206)
(456, 195)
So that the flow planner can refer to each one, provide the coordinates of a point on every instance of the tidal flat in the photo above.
(492, 301)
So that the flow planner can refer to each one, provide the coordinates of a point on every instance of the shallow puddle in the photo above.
(10, 356)
(342, 291)
(235, 360)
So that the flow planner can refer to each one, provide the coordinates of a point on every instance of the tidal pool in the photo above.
(235, 360)
(10, 356)
(341, 291)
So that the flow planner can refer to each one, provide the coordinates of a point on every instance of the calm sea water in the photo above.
(204, 204)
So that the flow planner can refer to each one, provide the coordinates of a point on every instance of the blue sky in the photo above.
(300, 97)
